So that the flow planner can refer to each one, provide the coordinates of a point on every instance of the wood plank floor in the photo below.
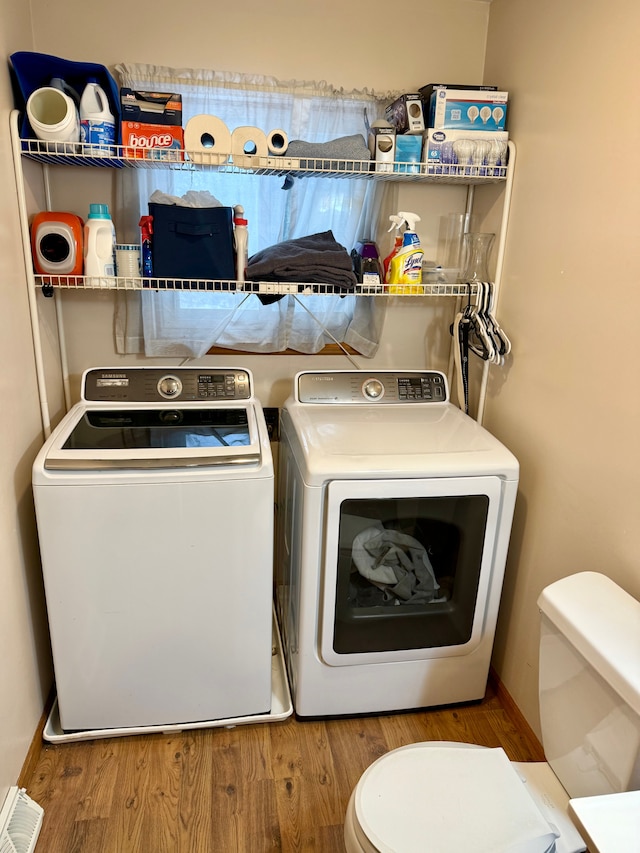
(281, 786)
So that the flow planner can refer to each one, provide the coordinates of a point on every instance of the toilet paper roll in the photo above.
(249, 147)
(207, 140)
(277, 142)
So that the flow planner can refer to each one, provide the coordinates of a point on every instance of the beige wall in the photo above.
(25, 671)
(568, 403)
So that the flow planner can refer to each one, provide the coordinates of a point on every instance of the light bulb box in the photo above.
(440, 156)
(467, 109)
(406, 114)
(382, 146)
(152, 125)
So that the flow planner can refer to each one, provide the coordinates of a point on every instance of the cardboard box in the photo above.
(406, 114)
(467, 109)
(442, 155)
(426, 91)
(152, 125)
(382, 146)
(408, 153)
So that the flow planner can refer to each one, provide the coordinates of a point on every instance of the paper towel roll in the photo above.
(277, 142)
(207, 140)
(249, 147)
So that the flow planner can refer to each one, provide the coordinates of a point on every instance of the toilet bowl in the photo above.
(464, 798)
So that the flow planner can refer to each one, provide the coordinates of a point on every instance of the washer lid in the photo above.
(150, 436)
(449, 798)
(416, 440)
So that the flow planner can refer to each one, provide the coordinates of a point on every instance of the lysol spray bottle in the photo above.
(405, 267)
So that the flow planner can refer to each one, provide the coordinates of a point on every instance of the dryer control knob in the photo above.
(373, 389)
(169, 386)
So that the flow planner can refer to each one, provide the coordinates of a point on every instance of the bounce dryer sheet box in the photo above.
(152, 125)
(406, 114)
(467, 109)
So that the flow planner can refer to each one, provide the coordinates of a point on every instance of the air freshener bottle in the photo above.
(241, 240)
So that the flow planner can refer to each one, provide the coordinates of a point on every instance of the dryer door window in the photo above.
(408, 566)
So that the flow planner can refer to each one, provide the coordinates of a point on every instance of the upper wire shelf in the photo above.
(119, 157)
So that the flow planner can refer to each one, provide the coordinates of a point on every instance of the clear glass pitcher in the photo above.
(477, 249)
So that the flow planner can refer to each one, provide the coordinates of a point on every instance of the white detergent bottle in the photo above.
(405, 267)
(99, 246)
(241, 238)
(97, 124)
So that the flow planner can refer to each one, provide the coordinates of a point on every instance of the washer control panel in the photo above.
(378, 387)
(157, 384)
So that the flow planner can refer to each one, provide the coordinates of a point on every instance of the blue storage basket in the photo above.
(34, 70)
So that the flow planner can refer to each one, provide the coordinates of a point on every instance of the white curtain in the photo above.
(182, 323)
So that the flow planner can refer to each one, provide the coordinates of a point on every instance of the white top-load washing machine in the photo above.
(154, 505)
(394, 517)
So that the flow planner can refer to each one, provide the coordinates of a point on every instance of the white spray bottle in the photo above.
(241, 238)
(405, 267)
(396, 222)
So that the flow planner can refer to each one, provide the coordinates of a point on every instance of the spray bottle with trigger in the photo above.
(397, 223)
(405, 268)
(146, 245)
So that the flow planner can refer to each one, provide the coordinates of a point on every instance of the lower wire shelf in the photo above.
(51, 283)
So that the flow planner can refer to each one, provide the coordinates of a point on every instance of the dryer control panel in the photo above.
(159, 384)
(362, 387)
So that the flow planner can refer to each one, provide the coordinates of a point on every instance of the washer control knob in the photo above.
(373, 389)
(169, 386)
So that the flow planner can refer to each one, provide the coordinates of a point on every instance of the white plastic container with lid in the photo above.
(99, 245)
(97, 124)
(54, 119)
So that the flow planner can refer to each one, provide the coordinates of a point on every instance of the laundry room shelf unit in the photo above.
(117, 158)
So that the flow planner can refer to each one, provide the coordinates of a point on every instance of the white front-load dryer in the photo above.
(394, 516)
(154, 506)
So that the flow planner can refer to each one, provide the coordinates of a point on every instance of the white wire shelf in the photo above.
(120, 157)
(50, 283)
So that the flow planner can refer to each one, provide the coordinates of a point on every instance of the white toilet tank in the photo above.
(590, 684)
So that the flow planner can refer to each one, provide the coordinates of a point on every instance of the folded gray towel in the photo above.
(317, 258)
(320, 154)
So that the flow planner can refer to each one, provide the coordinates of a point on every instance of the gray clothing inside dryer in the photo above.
(395, 562)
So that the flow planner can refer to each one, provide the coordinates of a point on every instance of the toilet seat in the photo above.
(446, 797)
